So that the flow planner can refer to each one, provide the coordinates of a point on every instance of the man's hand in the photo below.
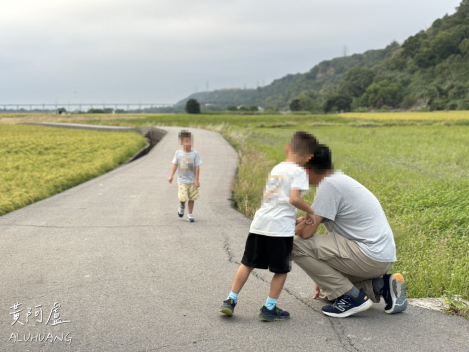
(170, 179)
(317, 290)
(197, 183)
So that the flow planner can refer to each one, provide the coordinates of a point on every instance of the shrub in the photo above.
(192, 106)
(295, 105)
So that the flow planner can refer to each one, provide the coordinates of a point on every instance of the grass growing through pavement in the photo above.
(418, 169)
(37, 162)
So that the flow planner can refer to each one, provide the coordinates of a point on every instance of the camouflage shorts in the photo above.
(188, 191)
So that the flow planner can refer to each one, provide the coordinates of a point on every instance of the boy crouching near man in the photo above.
(270, 239)
(188, 161)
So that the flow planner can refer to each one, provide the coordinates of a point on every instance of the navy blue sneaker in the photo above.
(276, 314)
(181, 211)
(345, 306)
(228, 307)
(393, 293)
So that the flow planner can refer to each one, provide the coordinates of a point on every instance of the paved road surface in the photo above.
(131, 276)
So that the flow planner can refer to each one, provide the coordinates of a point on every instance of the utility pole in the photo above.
(207, 88)
(345, 50)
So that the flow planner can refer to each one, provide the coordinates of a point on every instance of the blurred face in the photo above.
(313, 178)
(187, 141)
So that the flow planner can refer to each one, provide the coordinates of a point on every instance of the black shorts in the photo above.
(265, 252)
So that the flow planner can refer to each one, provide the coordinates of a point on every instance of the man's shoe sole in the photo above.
(364, 306)
(397, 288)
(190, 220)
(226, 311)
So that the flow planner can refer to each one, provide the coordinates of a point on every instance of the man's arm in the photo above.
(306, 231)
(197, 172)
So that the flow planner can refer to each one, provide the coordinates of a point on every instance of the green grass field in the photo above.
(418, 169)
(37, 162)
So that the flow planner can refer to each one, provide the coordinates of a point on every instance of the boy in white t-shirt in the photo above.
(187, 162)
(270, 239)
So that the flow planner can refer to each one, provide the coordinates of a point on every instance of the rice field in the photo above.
(410, 116)
(37, 162)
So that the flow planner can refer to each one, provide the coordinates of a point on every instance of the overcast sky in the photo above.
(160, 51)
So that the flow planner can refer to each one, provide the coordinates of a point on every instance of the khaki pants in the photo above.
(336, 264)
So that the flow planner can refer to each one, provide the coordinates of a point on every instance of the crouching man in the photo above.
(350, 263)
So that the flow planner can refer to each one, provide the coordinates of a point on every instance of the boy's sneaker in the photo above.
(276, 314)
(181, 212)
(228, 307)
(190, 218)
(393, 293)
(345, 306)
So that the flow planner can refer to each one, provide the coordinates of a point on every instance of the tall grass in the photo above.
(37, 162)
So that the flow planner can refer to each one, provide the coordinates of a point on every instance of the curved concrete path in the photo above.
(131, 276)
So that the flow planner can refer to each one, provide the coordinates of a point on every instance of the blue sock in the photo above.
(270, 303)
(233, 296)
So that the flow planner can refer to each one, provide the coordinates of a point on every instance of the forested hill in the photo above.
(429, 70)
(322, 78)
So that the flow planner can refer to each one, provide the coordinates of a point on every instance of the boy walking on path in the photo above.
(188, 161)
(270, 239)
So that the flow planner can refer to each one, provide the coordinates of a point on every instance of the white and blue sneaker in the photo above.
(181, 211)
(190, 218)
(346, 305)
(393, 293)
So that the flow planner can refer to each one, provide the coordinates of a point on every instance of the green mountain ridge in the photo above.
(429, 70)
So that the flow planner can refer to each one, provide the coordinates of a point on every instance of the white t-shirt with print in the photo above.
(276, 217)
(186, 162)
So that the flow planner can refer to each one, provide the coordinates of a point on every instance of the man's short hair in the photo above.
(184, 134)
(303, 143)
(321, 161)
